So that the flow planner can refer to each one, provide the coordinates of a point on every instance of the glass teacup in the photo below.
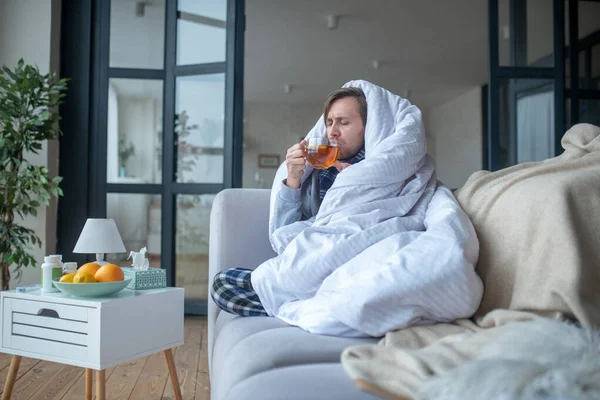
(320, 152)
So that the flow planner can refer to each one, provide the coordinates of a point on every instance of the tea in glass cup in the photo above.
(320, 153)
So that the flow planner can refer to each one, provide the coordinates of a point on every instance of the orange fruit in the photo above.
(90, 268)
(83, 277)
(109, 273)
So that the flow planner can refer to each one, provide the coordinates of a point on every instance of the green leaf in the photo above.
(11, 74)
(7, 258)
(29, 102)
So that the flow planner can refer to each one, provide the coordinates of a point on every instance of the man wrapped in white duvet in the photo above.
(373, 243)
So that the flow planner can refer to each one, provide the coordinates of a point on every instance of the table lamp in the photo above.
(99, 236)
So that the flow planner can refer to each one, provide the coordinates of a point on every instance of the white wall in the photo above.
(30, 29)
(272, 128)
(456, 129)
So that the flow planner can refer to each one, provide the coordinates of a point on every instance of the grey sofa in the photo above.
(262, 357)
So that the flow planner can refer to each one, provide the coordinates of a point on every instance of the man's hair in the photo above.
(353, 92)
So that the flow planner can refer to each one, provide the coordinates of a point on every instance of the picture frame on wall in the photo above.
(268, 161)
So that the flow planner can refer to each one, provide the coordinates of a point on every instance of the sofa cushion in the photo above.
(243, 326)
(323, 381)
(247, 346)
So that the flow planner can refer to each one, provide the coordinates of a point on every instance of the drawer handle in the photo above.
(46, 312)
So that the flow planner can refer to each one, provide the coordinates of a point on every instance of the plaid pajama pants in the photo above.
(232, 291)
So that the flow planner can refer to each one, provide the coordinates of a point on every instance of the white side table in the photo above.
(93, 333)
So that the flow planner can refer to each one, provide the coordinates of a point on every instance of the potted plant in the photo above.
(28, 117)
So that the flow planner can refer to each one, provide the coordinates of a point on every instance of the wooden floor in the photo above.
(144, 379)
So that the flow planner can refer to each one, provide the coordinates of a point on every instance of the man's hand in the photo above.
(295, 162)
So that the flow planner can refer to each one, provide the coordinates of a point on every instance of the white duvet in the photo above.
(389, 248)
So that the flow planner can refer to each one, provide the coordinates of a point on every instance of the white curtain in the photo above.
(535, 127)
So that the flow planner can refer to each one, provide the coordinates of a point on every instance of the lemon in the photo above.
(67, 278)
(83, 277)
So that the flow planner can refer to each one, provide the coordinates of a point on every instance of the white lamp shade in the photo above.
(99, 236)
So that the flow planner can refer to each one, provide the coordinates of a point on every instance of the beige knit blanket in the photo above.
(539, 230)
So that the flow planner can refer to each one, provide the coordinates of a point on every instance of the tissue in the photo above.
(139, 262)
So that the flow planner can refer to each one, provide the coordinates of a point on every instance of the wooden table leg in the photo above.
(15, 362)
(173, 374)
(101, 384)
(88, 384)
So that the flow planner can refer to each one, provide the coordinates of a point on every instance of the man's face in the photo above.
(345, 126)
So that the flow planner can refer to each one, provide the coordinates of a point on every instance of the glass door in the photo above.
(543, 76)
(207, 81)
(526, 114)
(173, 120)
(199, 135)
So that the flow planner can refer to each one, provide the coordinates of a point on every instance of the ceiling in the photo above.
(428, 50)
(433, 50)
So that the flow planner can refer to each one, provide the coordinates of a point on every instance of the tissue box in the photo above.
(151, 278)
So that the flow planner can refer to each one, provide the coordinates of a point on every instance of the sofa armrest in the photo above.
(239, 230)
(239, 238)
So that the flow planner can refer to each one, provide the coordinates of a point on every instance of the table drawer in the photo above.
(46, 328)
(52, 310)
(49, 322)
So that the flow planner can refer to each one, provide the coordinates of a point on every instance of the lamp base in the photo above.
(100, 259)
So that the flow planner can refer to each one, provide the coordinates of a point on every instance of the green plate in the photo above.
(95, 289)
